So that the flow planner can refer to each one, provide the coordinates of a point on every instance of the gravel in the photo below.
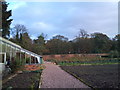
(54, 77)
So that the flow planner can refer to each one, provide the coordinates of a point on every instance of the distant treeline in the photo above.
(83, 43)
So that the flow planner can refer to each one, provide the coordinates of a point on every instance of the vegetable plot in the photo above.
(96, 76)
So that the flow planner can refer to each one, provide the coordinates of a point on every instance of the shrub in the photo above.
(16, 64)
(28, 60)
(114, 54)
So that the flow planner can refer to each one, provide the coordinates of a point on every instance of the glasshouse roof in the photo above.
(18, 46)
(9, 42)
(29, 52)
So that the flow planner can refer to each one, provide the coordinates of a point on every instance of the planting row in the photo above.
(93, 62)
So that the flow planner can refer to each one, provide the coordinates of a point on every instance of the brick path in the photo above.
(54, 77)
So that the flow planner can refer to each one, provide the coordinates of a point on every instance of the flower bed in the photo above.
(33, 67)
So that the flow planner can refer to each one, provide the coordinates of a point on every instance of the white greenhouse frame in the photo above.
(11, 49)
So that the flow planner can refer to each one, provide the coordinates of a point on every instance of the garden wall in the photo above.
(62, 56)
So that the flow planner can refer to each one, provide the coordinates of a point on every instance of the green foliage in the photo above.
(101, 43)
(26, 41)
(97, 62)
(117, 37)
(5, 20)
(28, 60)
(82, 44)
(35, 81)
(60, 37)
(86, 61)
(39, 44)
(16, 64)
(114, 54)
(97, 43)
(57, 46)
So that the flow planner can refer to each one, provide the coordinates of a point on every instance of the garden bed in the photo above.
(88, 61)
(96, 76)
(23, 80)
(26, 77)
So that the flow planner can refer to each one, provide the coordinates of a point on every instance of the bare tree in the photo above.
(19, 29)
(82, 34)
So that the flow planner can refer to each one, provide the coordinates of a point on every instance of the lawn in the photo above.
(96, 76)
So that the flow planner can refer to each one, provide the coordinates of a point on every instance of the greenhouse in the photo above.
(10, 52)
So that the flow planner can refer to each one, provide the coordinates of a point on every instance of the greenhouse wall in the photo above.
(10, 51)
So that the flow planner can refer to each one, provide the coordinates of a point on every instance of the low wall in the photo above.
(61, 56)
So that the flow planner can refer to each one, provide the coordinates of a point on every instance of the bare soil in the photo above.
(23, 80)
(97, 76)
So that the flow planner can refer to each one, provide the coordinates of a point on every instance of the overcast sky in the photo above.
(66, 18)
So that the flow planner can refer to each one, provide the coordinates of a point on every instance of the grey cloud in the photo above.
(67, 18)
